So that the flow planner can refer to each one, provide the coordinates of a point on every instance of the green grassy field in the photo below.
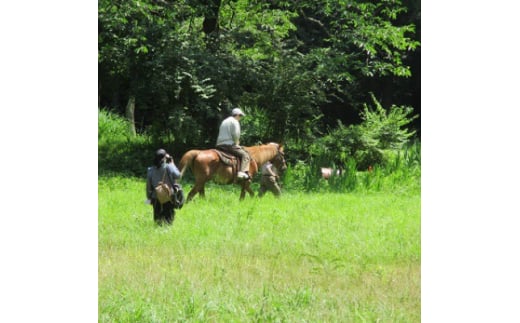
(327, 257)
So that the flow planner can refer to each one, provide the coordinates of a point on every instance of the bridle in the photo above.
(279, 160)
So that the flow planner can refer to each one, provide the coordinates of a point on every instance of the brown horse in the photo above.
(206, 165)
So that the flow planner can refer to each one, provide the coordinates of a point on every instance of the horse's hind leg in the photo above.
(194, 190)
(191, 194)
(197, 188)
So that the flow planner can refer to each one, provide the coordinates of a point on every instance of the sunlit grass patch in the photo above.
(303, 257)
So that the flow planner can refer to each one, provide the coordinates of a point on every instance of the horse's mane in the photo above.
(263, 153)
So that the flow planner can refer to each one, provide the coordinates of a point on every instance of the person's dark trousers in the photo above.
(164, 213)
(269, 183)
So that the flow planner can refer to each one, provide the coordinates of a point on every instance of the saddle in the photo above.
(229, 160)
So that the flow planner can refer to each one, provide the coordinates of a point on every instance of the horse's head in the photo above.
(279, 159)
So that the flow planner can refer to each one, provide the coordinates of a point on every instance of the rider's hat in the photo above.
(237, 111)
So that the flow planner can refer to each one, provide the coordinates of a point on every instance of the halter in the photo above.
(280, 158)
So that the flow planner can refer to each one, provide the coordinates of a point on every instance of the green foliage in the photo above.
(387, 128)
(282, 62)
(256, 127)
(112, 127)
(366, 143)
(257, 29)
(128, 158)
(286, 58)
(119, 153)
(401, 172)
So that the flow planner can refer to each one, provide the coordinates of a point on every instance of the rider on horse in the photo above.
(229, 141)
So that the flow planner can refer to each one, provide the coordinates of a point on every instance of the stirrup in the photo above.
(242, 175)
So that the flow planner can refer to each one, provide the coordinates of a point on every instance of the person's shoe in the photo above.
(242, 175)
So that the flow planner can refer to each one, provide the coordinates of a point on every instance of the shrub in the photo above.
(112, 127)
(118, 152)
(366, 143)
(387, 128)
(402, 172)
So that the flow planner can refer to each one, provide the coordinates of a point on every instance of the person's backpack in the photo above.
(163, 191)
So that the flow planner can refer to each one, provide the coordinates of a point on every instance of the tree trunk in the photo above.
(130, 115)
(210, 23)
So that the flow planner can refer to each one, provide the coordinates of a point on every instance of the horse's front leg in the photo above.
(250, 191)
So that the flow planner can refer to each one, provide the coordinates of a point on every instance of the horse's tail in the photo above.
(187, 160)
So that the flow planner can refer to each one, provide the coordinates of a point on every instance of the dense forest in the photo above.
(303, 71)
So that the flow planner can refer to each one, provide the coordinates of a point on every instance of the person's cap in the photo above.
(237, 111)
(160, 153)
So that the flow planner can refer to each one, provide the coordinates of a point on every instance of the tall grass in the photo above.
(331, 257)
(112, 127)
(402, 172)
